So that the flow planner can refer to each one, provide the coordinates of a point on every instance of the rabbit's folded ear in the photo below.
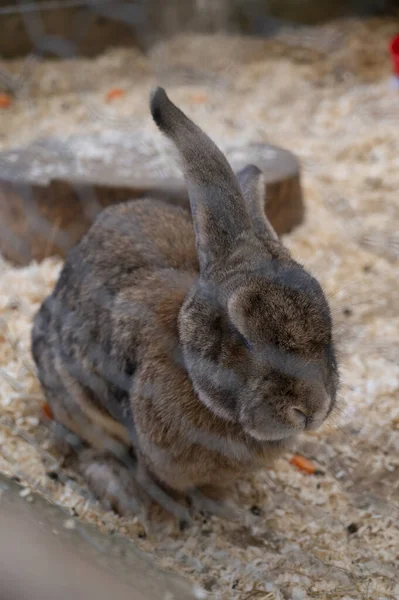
(217, 205)
(252, 183)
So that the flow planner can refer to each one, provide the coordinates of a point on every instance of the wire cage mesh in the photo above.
(76, 135)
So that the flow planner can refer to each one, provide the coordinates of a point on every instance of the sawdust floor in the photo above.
(326, 97)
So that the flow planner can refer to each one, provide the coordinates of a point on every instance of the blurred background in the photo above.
(305, 89)
(90, 27)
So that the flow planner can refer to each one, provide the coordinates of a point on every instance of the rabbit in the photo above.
(183, 349)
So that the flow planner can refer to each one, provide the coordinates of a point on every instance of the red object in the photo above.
(394, 48)
(114, 94)
(5, 101)
(47, 411)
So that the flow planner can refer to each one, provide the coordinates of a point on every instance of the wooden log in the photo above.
(48, 198)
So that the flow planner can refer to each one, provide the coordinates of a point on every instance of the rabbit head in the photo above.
(255, 329)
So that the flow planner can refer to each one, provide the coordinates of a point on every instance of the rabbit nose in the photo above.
(298, 417)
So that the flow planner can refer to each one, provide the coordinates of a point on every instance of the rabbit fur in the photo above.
(184, 348)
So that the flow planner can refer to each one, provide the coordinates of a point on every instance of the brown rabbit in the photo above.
(205, 350)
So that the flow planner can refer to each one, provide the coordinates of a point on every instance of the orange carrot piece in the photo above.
(199, 98)
(5, 101)
(303, 464)
(114, 94)
(47, 411)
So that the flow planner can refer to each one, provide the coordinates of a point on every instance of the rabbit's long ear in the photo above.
(252, 182)
(217, 205)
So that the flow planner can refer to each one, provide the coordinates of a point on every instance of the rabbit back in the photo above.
(90, 326)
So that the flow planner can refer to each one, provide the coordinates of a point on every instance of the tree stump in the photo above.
(50, 192)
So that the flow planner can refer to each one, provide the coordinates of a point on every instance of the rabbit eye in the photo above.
(241, 339)
(245, 343)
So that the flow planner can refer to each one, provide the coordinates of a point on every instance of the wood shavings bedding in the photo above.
(332, 536)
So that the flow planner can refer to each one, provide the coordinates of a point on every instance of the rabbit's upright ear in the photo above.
(217, 204)
(252, 183)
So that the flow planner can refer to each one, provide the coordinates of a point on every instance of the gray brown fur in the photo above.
(206, 349)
